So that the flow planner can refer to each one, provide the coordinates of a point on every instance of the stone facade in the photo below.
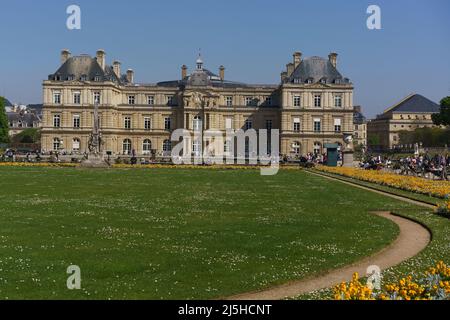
(312, 105)
(360, 127)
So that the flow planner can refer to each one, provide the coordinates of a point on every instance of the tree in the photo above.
(4, 128)
(443, 117)
(29, 135)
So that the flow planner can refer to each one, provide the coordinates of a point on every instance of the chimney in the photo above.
(283, 76)
(222, 73)
(65, 55)
(101, 58)
(183, 71)
(289, 69)
(130, 76)
(333, 58)
(116, 68)
(297, 59)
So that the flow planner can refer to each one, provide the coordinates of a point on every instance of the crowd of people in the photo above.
(424, 165)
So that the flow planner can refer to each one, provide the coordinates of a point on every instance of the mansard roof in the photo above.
(78, 67)
(203, 77)
(29, 118)
(414, 103)
(316, 69)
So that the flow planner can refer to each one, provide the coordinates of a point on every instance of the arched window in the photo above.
(317, 148)
(75, 144)
(146, 146)
(296, 148)
(167, 145)
(56, 144)
(197, 123)
(126, 146)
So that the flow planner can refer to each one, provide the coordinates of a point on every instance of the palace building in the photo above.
(412, 112)
(311, 106)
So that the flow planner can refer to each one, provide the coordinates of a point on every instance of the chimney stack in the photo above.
(116, 68)
(183, 71)
(297, 59)
(65, 55)
(333, 58)
(101, 58)
(289, 69)
(222, 73)
(130, 76)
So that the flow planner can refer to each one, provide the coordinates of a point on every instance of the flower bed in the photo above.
(434, 285)
(37, 164)
(433, 188)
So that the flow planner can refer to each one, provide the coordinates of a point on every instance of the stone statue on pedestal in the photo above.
(347, 153)
(94, 158)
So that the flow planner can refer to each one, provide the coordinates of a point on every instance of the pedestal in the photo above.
(94, 161)
(347, 159)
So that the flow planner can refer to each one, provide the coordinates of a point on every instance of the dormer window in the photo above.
(309, 80)
(71, 77)
(323, 80)
(97, 78)
(83, 77)
(296, 80)
(57, 77)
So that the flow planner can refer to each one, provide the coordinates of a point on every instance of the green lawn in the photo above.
(178, 233)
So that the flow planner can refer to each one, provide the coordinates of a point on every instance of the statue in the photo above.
(348, 139)
(196, 99)
(347, 153)
(94, 158)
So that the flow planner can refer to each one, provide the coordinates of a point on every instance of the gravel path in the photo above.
(412, 239)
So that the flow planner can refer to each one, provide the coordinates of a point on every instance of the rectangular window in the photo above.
(226, 146)
(167, 123)
(248, 101)
(296, 124)
(317, 100)
(248, 124)
(131, 100)
(169, 100)
(57, 121)
(76, 120)
(151, 100)
(269, 124)
(228, 123)
(317, 125)
(97, 97)
(338, 101)
(337, 125)
(297, 101)
(147, 123)
(229, 101)
(76, 97)
(57, 97)
(127, 123)
(268, 101)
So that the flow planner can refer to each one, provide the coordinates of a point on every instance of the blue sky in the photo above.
(253, 39)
